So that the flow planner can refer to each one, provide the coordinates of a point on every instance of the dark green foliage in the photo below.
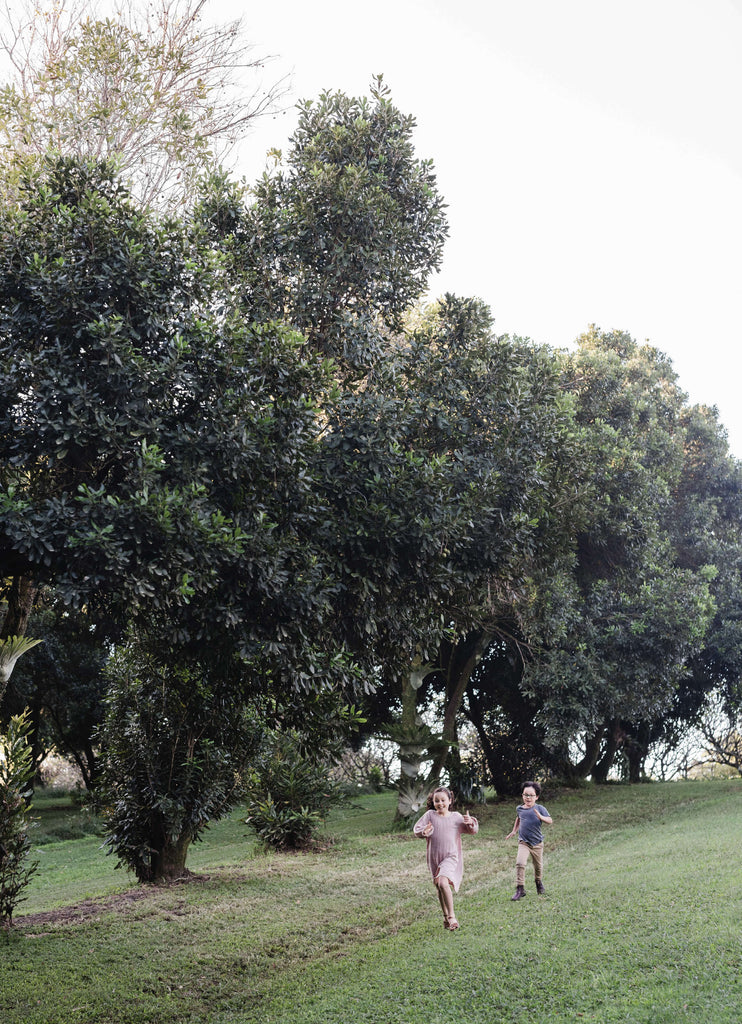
(177, 745)
(156, 454)
(175, 443)
(622, 633)
(16, 771)
(290, 793)
(61, 682)
(340, 239)
(619, 627)
(94, 299)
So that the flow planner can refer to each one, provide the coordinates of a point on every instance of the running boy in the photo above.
(529, 817)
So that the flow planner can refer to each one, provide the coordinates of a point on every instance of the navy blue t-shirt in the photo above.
(529, 829)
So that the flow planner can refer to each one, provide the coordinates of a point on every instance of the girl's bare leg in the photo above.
(442, 901)
(446, 900)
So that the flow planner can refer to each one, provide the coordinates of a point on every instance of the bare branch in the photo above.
(149, 86)
(721, 731)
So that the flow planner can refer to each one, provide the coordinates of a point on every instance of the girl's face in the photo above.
(529, 796)
(441, 801)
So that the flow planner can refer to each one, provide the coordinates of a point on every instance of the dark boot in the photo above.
(540, 887)
(520, 891)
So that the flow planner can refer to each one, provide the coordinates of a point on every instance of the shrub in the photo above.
(176, 748)
(16, 771)
(290, 794)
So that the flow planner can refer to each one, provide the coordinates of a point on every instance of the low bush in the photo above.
(290, 794)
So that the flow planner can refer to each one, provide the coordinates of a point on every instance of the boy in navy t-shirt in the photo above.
(529, 817)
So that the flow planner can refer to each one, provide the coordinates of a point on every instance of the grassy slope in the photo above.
(641, 924)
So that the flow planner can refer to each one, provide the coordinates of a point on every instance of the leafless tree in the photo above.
(152, 86)
(720, 730)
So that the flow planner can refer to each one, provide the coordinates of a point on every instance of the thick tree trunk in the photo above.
(168, 862)
(413, 747)
(593, 744)
(20, 599)
(463, 659)
(637, 751)
(613, 739)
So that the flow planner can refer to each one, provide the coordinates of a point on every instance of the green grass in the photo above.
(640, 924)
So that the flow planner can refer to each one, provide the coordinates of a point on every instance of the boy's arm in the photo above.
(545, 818)
(514, 828)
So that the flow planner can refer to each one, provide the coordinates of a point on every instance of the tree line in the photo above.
(260, 496)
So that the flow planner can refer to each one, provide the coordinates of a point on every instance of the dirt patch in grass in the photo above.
(92, 909)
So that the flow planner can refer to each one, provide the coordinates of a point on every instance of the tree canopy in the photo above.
(237, 441)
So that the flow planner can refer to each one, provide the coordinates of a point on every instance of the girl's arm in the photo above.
(471, 825)
(424, 827)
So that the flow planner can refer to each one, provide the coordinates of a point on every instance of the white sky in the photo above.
(590, 152)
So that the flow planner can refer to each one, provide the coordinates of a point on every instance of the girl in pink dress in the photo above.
(441, 826)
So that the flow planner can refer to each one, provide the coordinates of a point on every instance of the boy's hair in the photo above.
(440, 789)
(536, 786)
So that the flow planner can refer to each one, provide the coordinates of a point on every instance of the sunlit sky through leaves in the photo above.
(590, 152)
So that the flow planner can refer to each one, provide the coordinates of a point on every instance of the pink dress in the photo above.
(445, 856)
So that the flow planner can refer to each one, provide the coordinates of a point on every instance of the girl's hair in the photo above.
(534, 785)
(440, 789)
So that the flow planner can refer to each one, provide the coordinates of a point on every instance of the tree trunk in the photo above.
(88, 766)
(493, 762)
(637, 750)
(463, 659)
(593, 743)
(413, 746)
(168, 862)
(602, 767)
(21, 597)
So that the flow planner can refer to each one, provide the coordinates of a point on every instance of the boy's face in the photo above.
(529, 796)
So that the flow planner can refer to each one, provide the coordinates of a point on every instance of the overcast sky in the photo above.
(590, 152)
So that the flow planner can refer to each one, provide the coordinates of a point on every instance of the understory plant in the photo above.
(177, 743)
(290, 793)
(16, 771)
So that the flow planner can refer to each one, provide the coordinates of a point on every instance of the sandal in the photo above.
(451, 923)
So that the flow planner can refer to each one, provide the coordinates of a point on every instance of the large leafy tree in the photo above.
(633, 613)
(487, 415)
(338, 240)
(704, 523)
(178, 743)
(163, 455)
(154, 454)
(623, 637)
(528, 443)
(158, 458)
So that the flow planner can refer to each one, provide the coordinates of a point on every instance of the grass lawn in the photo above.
(641, 923)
